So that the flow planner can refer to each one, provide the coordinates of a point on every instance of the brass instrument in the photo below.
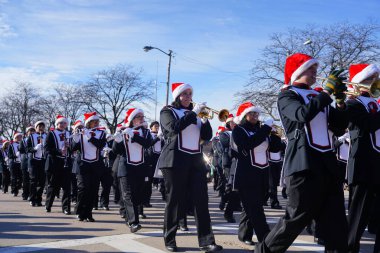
(374, 88)
(209, 113)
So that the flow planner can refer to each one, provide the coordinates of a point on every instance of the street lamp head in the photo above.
(147, 48)
(308, 42)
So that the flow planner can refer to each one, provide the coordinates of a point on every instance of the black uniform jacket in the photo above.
(52, 153)
(363, 164)
(246, 173)
(170, 156)
(294, 113)
(118, 148)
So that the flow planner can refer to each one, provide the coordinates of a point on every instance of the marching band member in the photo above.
(154, 154)
(183, 168)
(36, 163)
(4, 162)
(364, 158)
(77, 128)
(89, 143)
(277, 147)
(229, 156)
(58, 156)
(310, 163)
(15, 163)
(130, 146)
(251, 139)
(24, 163)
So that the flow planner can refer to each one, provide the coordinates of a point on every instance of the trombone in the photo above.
(209, 113)
(374, 88)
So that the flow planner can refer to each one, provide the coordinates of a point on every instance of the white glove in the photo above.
(88, 134)
(342, 138)
(38, 146)
(129, 132)
(269, 122)
(204, 120)
(76, 137)
(118, 137)
(18, 153)
(199, 107)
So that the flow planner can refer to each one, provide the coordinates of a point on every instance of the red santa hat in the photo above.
(16, 134)
(230, 118)
(244, 109)
(60, 118)
(78, 123)
(89, 116)
(29, 128)
(318, 89)
(178, 88)
(296, 64)
(131, 113)
(378, 101)
(221, 129)
(38, 123)
(360, 72)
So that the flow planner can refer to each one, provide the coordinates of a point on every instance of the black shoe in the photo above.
(106, 208)
(67, 212)
(222, 205)
(183, 228)
(142, 216)
(24, 198)
(48, 209)
(230, 219)
(283, 193)
(80, 218)
(148, 205)
(122, 216)
(95, 208)
(276, 206)
(39, 204)
(32, 203)
(211, 248)
(172, 248)
(248, 242)
(90, 219)
(134, 228)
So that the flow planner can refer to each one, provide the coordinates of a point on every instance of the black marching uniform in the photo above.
(229, 156)
(58, 169)
(311, 172)
(15, 167)
(184, 172)
(36, 164)
(24, 169)
(131, 171)
(89, 145)
(363, 166)
(106, 178)
(276, 150)
(6, 175)
(251, 177)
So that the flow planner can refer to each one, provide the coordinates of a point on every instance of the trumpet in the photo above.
(374, 88)
(209, 113)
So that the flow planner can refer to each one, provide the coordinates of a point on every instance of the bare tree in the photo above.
(338, 45)
(110, 92)
(19, 108)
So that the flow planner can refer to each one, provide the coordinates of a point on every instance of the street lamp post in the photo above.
(170, 54)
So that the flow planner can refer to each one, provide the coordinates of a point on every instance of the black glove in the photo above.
(335, 83)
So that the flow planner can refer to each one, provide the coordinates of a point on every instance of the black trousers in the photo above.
(37, 180)
(132, 192)
(311, 195)
(74, 187)
(16, 177)
(25, 178)
(363, 198)
(88, 179)
(274, 180)
(253, 216)
(233, 202)
(105, 179)
(116, 187)
(179, 182)
(59, 177)
(6, 180)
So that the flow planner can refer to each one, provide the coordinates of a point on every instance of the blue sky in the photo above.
(215, 42)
